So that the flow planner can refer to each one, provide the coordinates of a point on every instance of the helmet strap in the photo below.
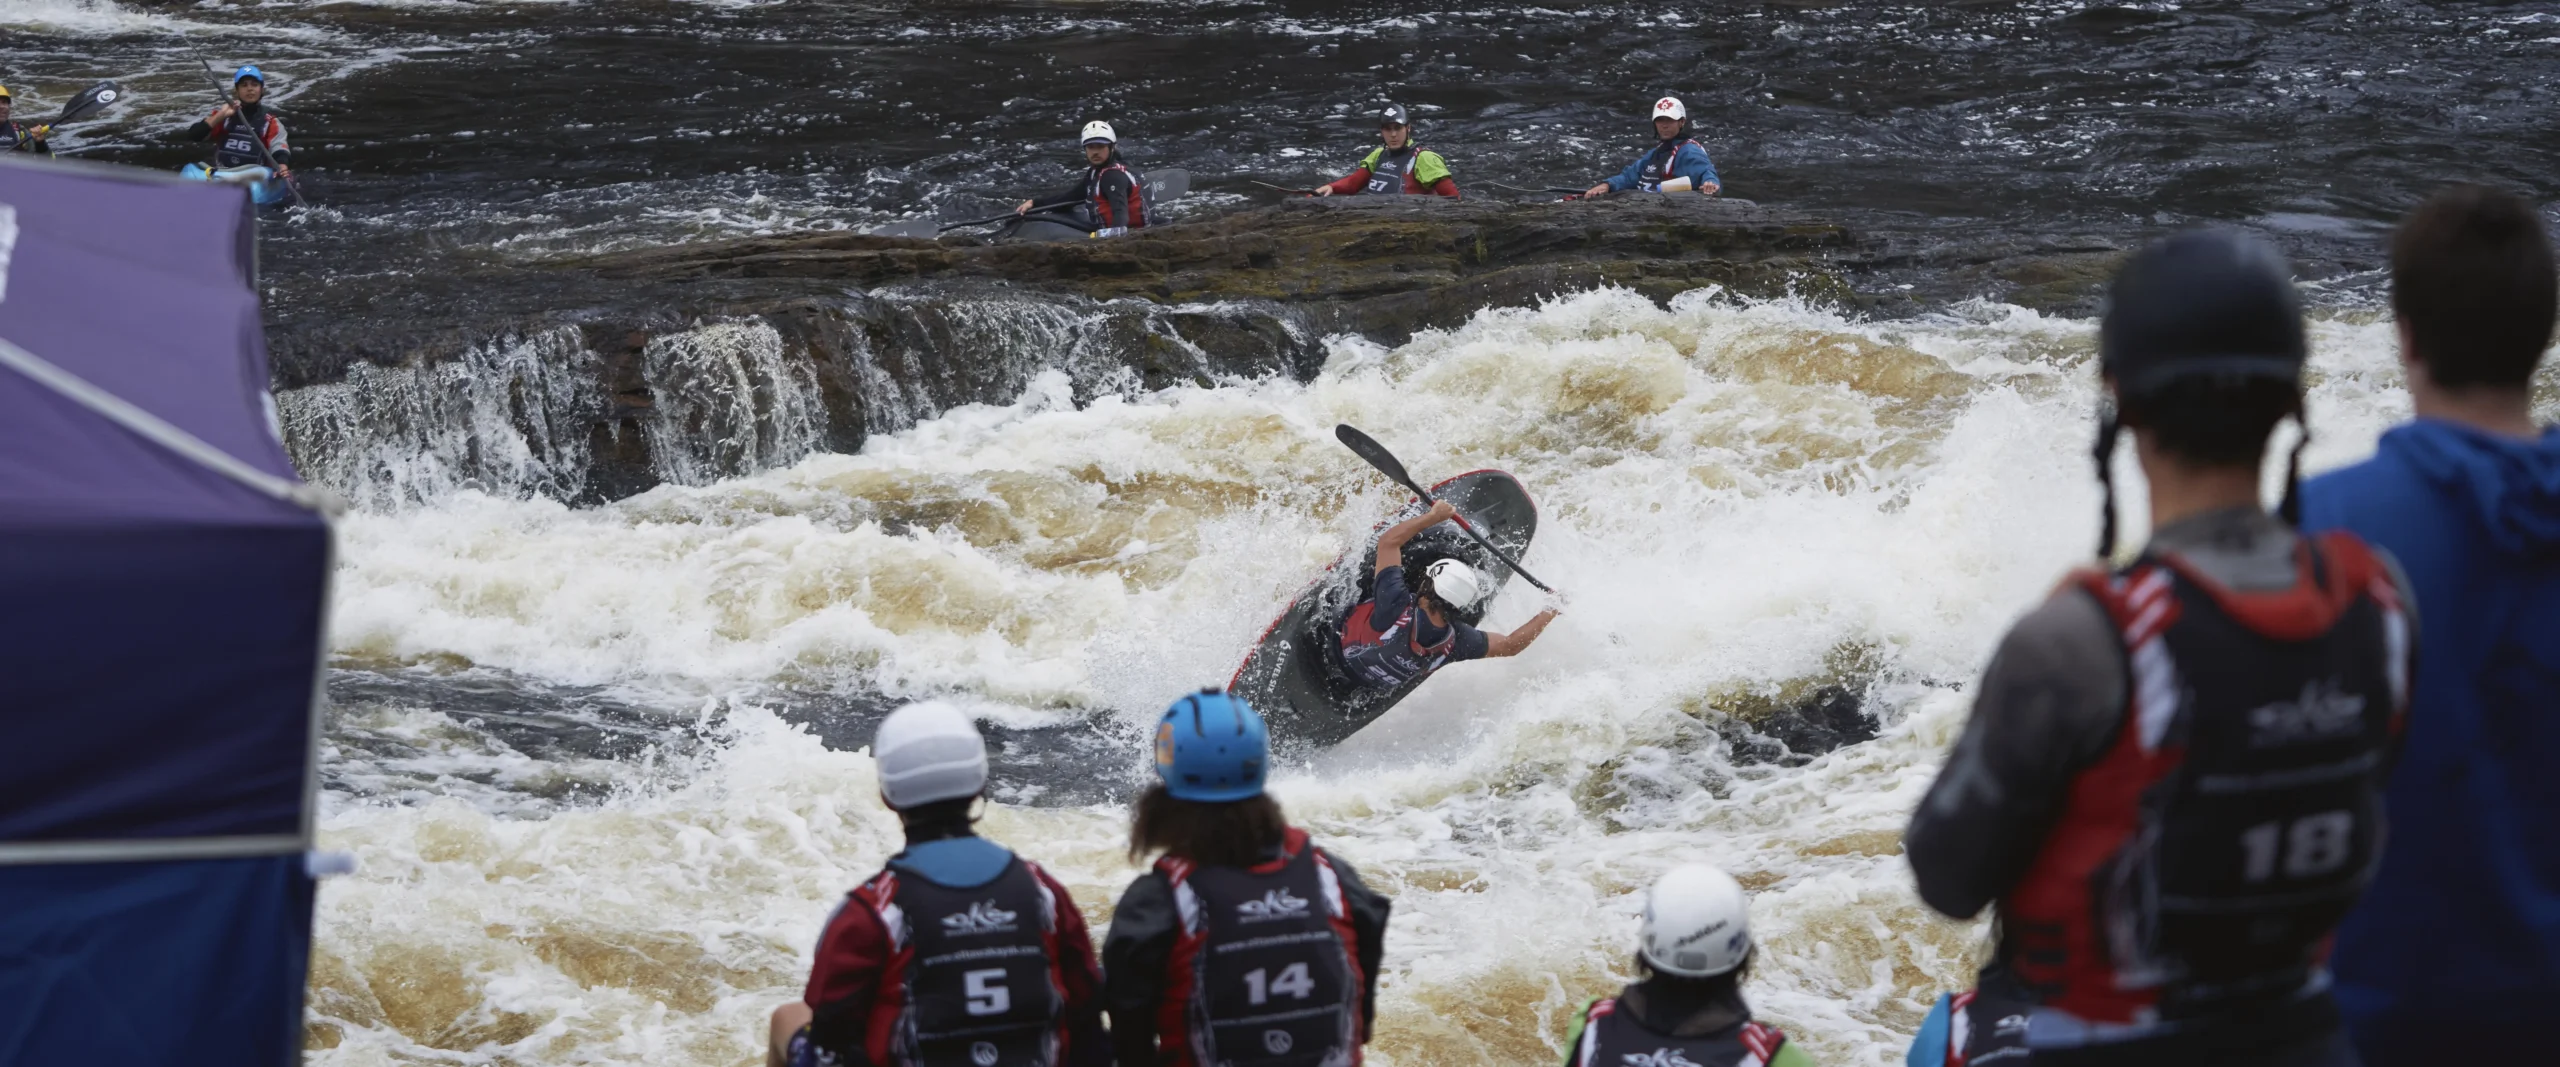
(2290, 510)
(2108, 428)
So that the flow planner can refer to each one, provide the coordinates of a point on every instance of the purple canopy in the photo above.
(163, 590)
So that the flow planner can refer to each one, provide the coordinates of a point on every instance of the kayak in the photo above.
(1294, 674)
(1157, 186)
(262, 183)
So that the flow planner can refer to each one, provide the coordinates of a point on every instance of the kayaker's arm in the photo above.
(1517, 641)
(1391, 543)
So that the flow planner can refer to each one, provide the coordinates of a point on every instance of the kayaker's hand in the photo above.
(1324, 190)
(284, 172)
(1022, 208)
(223, 114)
(39, 133)
(1595, 191)
(1440, 512)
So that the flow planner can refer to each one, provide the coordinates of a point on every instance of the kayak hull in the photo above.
(261, 182)
(1293, 675)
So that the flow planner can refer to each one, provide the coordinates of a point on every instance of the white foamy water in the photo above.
(1744, 501)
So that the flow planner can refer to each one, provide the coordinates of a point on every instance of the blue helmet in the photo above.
(248, 74)
(1211, 746)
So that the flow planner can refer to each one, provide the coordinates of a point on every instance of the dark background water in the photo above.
(446, 133)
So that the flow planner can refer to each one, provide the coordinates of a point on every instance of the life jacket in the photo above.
(1392, 656)
(973, 977)
(1265, 967)
(1613, 1038)
(1388, 169)
(2199, 866)
(236, 145)
(19, 141)
(1986, 1029)
(1657, 166)
(1102, 204)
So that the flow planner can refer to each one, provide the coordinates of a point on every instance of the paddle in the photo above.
(1283, 188)
(1369, 449)
(1007, 216)
(87, 103)
(1169, 183)
(1525, 189)
(257, 137)
(910, 228)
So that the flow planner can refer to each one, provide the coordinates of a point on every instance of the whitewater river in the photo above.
(601, 764)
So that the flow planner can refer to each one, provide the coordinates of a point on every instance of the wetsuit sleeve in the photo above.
(1471, 643)
(1694, 165)
(1350, 183)
(1133, 962)
(1056, 198)
(1369, 924)
(1446, 186)
(278, 146)
(1391, 595)
(852, 952)
(201, 131)
(2049, 704)
(1630, 177)
(1081, 973)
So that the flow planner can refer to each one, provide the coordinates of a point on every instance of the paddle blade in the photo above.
(1168, 183)
(923, 228)
(1368, 448)
(90, 102)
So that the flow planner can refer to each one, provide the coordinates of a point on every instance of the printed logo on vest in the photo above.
(1275, 905)
(1277, 1042)
(2324, 711)
(1661, 1057)
(983, 917)
(983, 1054)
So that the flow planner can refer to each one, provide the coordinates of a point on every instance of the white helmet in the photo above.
(1669, 108)
(1455, 583)
(1697, 923)
(1098, 130)
(929, 752)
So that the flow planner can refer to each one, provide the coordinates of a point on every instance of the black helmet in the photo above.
(1392, 115)
(2204, 302)
(2209, 303)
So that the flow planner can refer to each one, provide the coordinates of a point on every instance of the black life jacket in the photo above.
(237, 143)
(1102, 204)
(1388, 657)
(1611, 1037)
(1387, 173)
(976, 980)
(1265, 969)
(2199, 866)
(1657, 165)
(19, 141)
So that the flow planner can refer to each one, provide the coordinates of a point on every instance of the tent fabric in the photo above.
(164, 618)
(198, 962)
(163, 603)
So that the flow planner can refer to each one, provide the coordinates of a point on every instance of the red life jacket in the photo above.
(1102, 204)
(1390, 657)
(1612, 1038)
(973, 977)
(2201, 864)
(1265, 967)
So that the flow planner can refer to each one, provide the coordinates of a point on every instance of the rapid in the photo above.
(1743, 500)
(601, 764)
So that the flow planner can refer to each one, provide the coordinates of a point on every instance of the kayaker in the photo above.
(1408, 628)
(1109, 200)
(2170, 786)
(959, 953)
(1398, 166)
(1677, 164)
(241, 126)
(1246, 944)
(29, 139)
(1694, 950)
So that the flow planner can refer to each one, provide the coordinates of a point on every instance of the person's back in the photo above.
(1694, 952)
(958, 953)
(2455, 951)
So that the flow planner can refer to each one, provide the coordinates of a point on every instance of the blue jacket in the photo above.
(1692, 163)
(2460, 931)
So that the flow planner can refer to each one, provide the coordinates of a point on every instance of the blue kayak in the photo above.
(262, 183)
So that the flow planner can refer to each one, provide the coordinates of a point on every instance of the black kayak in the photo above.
(1294, 674)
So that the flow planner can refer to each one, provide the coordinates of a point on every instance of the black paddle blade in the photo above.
(1368, 448)
(90, 102)
(1169, 183)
